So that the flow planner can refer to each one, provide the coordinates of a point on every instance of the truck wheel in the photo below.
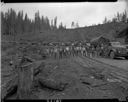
(126, 57)
(112, 55)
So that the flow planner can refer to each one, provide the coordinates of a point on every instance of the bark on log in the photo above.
(51, 84)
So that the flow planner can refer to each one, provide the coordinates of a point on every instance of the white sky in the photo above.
(85, 13)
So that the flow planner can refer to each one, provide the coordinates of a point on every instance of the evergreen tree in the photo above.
(77, 25)
(37, 22)
(105, 20)
(42, 23)
(47, 24)
(72, 24)
(124, 16)
(26, 23)
(55, 22)
(3, 26)
(61, 26)
(19, 22)
(52, 26)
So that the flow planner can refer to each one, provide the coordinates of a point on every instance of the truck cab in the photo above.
(117, 50)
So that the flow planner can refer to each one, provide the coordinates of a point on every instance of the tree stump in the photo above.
(25, 79)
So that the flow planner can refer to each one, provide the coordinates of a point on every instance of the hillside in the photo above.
(108, 30)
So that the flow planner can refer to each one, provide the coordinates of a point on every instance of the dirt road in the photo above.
(109, 69)
(122, 63)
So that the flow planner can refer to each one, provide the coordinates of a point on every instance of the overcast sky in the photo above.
(84, 13)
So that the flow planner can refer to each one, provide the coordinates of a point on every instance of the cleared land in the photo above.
(86, 78)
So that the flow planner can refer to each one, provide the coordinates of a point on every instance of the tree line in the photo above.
(13, 23)
(119, 17)
(19, 23)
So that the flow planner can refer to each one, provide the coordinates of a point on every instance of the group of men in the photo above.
(59, 51)
(62, 51)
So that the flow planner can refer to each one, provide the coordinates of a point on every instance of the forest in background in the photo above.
(41, 28)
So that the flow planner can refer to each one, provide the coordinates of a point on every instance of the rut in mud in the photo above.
(109, 70)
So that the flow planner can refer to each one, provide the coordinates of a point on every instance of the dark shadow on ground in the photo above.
(120, 58)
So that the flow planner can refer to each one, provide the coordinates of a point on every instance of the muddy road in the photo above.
(106, 67)
(118, 62)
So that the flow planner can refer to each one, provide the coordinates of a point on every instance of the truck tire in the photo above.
(126, 57)
(112, 55)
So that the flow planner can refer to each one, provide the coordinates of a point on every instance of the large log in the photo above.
(51, 84)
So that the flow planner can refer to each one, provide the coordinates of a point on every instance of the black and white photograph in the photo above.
(64, 50)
